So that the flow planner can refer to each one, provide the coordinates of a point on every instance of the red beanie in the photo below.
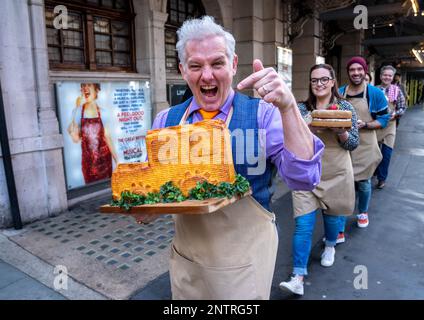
(359, 60)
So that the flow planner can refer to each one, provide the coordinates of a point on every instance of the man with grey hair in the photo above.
(397, 80)
(231, 253)
(386, 137)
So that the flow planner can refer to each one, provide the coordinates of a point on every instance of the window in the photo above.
(178, 12)
(99, 36)
(66, 46)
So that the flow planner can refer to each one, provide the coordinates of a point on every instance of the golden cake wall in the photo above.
(182, 154)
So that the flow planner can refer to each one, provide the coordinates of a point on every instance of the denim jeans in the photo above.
(364, 194)
(383, 168)
(302, 238)
(342, 223)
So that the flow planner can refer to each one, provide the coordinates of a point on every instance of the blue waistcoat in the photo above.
(245, 116)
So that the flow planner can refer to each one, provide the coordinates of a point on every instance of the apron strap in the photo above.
(230, 115)
(365, 91)
(184, 117)
(98, 112)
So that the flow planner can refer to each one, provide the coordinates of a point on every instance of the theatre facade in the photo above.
(111, 66)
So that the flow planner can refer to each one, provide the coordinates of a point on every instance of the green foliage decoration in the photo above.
(170, 193)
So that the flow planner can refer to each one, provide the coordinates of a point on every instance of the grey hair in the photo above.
(199, 29)
(388, 67)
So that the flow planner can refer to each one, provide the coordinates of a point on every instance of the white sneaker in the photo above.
(363, 220)
(327, 257)
(295, 285)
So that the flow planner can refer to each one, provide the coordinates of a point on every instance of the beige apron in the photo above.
(387, 135)
(367, 156)
(336, 192)
(228, 255)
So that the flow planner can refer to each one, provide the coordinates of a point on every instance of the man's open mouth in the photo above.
(209, 91)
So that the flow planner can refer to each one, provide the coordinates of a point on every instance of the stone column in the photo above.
(272, 31)
(305, 50)
(226, 12)
(213, 8)
(48, 122)
(351, 44)
(248, 31)
(35, 142)
(258, 29)
(150, 48)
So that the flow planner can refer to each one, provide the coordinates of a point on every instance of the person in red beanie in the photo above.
(372, 111)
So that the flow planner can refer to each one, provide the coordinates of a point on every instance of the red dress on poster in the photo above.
(96, 156)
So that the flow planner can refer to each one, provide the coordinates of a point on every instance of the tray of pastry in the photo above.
(184, 207)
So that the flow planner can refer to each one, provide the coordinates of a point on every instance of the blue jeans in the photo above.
(383, 168)
(363, 193)
(342, 223)
(302, 238)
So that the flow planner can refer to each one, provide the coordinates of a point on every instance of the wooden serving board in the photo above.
(184, 207)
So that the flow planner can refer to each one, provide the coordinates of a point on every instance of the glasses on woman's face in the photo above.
(323, 80)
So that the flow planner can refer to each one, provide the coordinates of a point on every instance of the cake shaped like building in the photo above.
(183, 154)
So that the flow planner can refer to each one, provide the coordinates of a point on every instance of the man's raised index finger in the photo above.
(254, 77)
(249, 81)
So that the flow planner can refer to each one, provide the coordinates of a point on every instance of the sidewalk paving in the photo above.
(87, 242)
(110, 255)
(17, 285)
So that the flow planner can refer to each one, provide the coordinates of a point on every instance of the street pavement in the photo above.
(17, 285)
(383, 261)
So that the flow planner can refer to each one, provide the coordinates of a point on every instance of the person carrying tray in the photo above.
(335, 195)
(231, 253)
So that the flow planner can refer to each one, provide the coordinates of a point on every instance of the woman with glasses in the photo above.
(335, 195)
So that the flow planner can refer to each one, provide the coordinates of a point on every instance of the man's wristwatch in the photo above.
(366, 125)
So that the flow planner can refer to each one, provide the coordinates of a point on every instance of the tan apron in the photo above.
(336, 192)
(387, 135)
(227, 255)
(367, 156)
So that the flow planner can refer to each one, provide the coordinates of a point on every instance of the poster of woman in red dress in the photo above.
(88, 127)
(102, 124)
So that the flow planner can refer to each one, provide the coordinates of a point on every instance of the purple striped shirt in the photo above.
(297, 173)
